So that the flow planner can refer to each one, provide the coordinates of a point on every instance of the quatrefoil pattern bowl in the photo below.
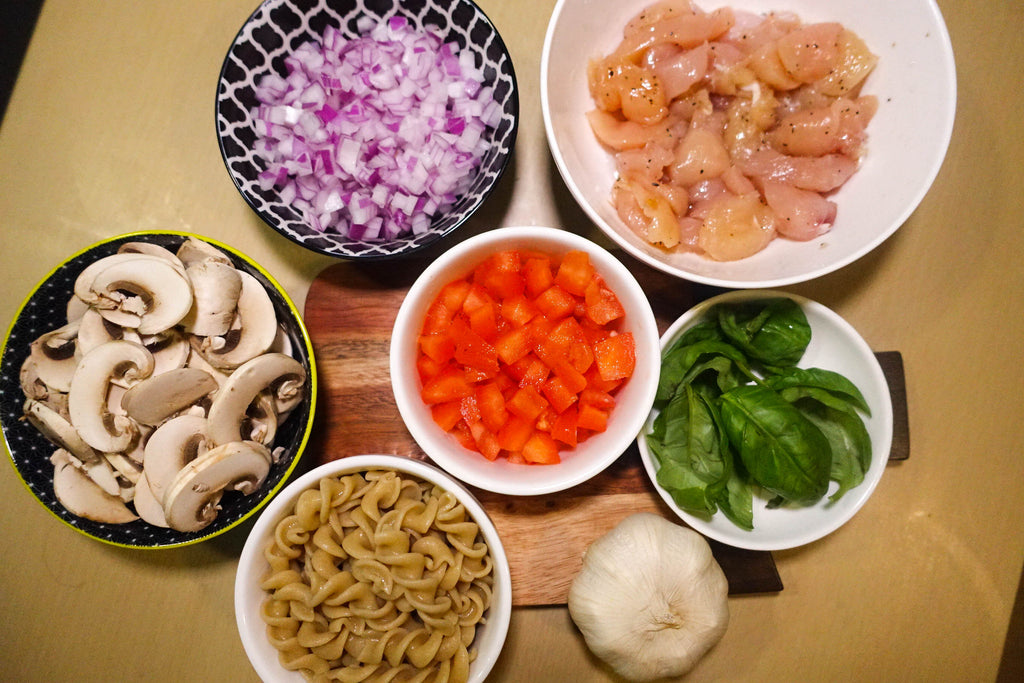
(277, 27)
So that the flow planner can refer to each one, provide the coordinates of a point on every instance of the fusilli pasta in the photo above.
(377, 577)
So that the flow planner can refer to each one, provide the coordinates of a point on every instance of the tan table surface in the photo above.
(110, 129)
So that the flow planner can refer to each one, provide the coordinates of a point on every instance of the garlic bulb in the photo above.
(650, 599)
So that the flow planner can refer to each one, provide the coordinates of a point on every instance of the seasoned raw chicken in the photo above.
(730, 128)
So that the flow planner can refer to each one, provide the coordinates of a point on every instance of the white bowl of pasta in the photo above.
(397, 558)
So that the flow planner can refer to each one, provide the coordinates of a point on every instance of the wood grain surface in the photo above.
(350, 310)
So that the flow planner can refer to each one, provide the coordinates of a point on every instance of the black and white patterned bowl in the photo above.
(279, 26)
(45, 309)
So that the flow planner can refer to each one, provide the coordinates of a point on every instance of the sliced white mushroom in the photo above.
(193, 499)
(170, 349)
(76, 308)
(173, 445)
(83, 283)
(216, 288)
(261, 420)
(193, 250)
(282, 375)
(151, 249)
(158, 397)
(143, 292)
(58, 430)
(196, 360)
(146, 504)
(31, 384)
(282, 342)
(252, 332)
(82, 496)
(54, 356)
(87, 400)
(95, 330)
(128, 468)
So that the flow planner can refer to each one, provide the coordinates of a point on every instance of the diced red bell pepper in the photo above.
(591, 418)
(575, 272)
(527, 403)
(515, 433)
(557, 393)
(491, 406)
(450, 385)
(616, 356)
(598, 398)
(537, 274)
(486, 441)
(500, 274)
(555, 303)
(447, 414)
(439, 347)
(428, 368)
(541, 449)
(472, 350)
(484, 321)
(513, 345)
(518, 310)
(564, 427)
(602, 306)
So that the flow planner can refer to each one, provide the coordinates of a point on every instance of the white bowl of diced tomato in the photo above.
(524, 360)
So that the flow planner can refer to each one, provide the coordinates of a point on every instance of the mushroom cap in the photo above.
(243, 386)
(191, 502)
(82, 496)
(87, 400)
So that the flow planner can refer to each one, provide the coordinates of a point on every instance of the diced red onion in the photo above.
(372, 137)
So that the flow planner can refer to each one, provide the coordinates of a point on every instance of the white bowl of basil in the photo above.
(773, 420)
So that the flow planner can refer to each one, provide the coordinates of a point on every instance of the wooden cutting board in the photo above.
(350, 311)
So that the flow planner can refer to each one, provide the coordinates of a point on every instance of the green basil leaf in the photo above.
(677, 365)
(850, 442)
(688, 491)
(689, 435)
(772, 331)
(781, 449)
(795, 383)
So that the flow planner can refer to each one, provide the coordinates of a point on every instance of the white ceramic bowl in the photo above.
(633, 400)
(252, 566)
(835, 345)
(915, 74)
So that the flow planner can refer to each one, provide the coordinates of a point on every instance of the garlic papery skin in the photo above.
(650, 599)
